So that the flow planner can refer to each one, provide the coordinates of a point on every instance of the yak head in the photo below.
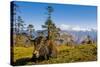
(38, 43)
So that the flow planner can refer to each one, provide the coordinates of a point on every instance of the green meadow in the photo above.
(66, 54)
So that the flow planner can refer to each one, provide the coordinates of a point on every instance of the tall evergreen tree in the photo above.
(15, 10)
(50, 26)
(20, 25)
(30, 29)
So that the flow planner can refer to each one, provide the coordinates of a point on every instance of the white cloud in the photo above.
(75, 28)
(65, 27)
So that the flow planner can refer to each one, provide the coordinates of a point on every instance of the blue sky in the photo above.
(65, 16)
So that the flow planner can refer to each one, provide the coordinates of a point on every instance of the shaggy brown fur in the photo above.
(52, 48)
(44, 48)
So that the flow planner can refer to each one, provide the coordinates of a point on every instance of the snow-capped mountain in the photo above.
(79, 35)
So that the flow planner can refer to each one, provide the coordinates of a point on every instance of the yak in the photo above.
(44, 49)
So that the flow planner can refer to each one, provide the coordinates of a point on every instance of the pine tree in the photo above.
(20, 25)
(50, 26)
(30, 29)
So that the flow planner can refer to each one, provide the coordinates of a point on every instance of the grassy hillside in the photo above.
(67, 54)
